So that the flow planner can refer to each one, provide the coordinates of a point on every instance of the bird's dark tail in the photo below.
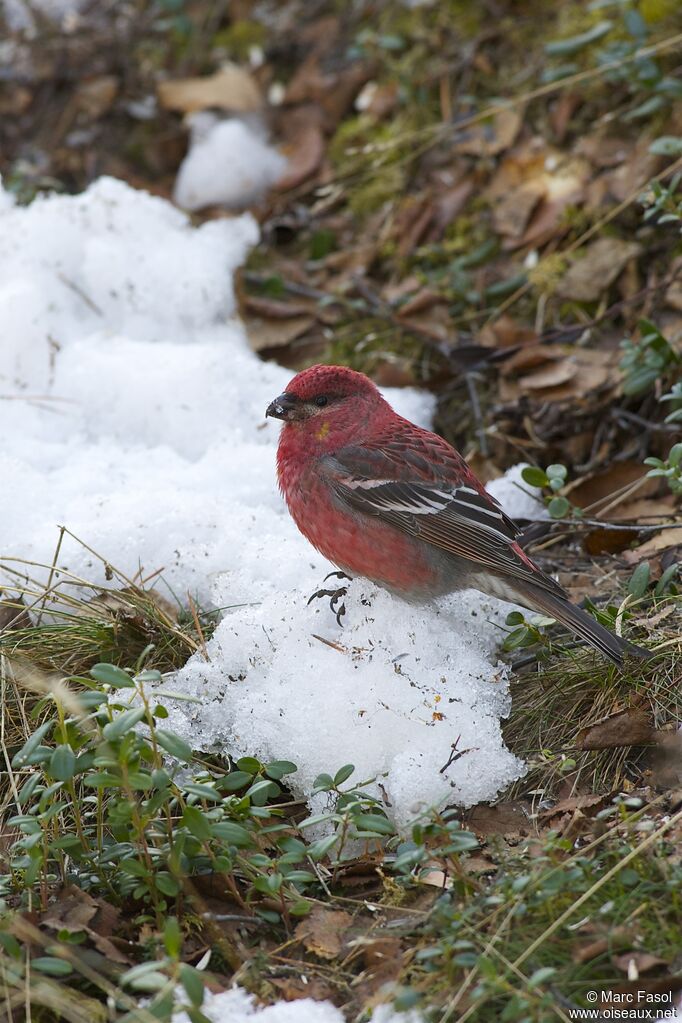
(582, 624)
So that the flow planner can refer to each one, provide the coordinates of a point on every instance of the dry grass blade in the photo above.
(593, 691)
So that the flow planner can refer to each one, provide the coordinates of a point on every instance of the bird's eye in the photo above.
(321, 400)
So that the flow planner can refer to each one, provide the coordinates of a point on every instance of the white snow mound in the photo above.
(229, 163)
(237, 1006)
(133, 413)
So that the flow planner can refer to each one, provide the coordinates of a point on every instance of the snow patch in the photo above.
(229, 163)
(133, 413)
(237, 1006)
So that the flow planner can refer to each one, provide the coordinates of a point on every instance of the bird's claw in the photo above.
(334, 596)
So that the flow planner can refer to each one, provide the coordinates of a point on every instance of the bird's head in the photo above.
(326, 400)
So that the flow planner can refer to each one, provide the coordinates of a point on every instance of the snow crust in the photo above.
(132, 412)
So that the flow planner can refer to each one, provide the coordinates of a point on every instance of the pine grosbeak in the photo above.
(382, 498)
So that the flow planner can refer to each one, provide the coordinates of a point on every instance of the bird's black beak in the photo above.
(282, 407)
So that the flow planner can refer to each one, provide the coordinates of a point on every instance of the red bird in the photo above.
(385, 499)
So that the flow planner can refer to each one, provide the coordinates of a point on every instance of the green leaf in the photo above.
(278, 768)
(134, 867)
(343, 774)
(639, 580)
(232, 833)
(112, 676)
(373, 822)
(32, 744)
(62, 763)
(675, 455)
(249, 764)
(235, 780)
(559, 508)
(665, 580)
(202, 791)
(318, 850)
(515, 618)
(193, 983)
(566, 47)
(666, 145)
(534, 476)
(167, 885)
(172, 937)
(174, 745)
(197, 823)
(123, 723)
(557, 471)
(52, 966)
(262, 790)
(540, 976)
(323, 781)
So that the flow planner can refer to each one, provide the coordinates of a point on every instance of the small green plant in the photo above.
(674, 396)
(669, 468)
(526, 632)
(646, 360)
(660, 201)
(110, 799)
(552, 479)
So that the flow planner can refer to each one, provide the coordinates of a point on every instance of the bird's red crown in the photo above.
(336, 380)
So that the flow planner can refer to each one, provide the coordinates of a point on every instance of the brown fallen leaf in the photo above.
(551, 375)
(662, 541)
(491, 137)
(595, 268)
(630, 727)
(303, 145)
(512, 213)
(501, 819)
(324, 931)
(76, 911)
(231, 88)
(265, 334)
(584, 803)
(639, 962)
(95, 96)
(616, 938)
(13, 613)
(275, 309)
(602, 486)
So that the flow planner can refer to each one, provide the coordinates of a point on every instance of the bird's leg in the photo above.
(334, 595)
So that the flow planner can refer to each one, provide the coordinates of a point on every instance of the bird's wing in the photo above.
(448, 513)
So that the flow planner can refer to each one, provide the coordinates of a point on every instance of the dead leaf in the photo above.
(491, 137)
(303, 145)
(631, 727)
(595, 268)
(586, 802)
(95, 96)
(512, 213)
(231, 88)
(501, 819)
(616, 938)
(646, 510)
(423, 299)
(640, 962)
(324, 931)
(549, 376)
(13, 613)
(448, 205)
(661, 542)
(76, 911)
(506, 332)
(599, 487)
(265, 334)
(275, 309)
